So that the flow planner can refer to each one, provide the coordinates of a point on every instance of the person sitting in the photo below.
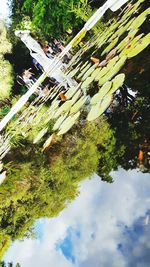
(28, 77)
(37, 65)
(48, 51)
(20, 80)
(53, 44)
(59, 45)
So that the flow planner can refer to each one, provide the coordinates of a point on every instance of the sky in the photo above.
(4, 11)
(107, 225)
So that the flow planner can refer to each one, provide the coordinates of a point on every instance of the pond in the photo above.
(77, 160)
(107, 225)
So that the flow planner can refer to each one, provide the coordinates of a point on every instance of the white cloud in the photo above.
(99, 214)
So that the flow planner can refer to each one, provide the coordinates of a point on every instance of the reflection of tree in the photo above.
(9, 264)
(132, 128)
(124, 97)
(40, 185)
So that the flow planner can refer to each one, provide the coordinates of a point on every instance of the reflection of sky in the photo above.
(106, 226)
(3, 9)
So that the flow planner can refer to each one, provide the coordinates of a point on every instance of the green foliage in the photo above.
(5, 45)
(51, 18)
(6, 79)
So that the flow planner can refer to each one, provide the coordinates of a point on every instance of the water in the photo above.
(46, 221)
(107, 225)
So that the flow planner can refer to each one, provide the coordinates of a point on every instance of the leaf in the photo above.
(127, 40)
(40, 135)
(105, 70)
(79, 37)
(86, 83)
(102, 73)
(145, 41)
(64, 108)
(95, 73)
(84, 70)
(88, 73)
(138, 21)
(68, 123)
(112, 62)
(132, 44)
(110, 46)
(84, 65)
(123, 28)
(59, 121)
(48, 142)
(117, 83)
(71, 92)
(78, 104)
(73, 72)
(98, 109)
(102, 92)
(76, 96)
(113, 71)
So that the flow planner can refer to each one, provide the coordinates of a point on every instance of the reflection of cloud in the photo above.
(96, 229)
(146, 219)
(4, 9)
(136, 245)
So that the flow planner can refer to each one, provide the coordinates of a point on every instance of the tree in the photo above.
(50, 18)
(6, 78)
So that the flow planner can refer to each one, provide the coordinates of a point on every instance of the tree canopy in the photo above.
(6, 77)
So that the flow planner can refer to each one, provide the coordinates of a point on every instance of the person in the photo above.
(54, 45)
(48, 51)
(37, 65)
(28, 77)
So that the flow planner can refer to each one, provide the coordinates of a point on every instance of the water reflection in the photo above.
(107, 225)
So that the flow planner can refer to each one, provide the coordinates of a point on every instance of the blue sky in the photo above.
(107, 225)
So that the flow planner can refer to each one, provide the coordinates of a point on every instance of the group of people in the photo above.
(43, 55)
(51, 49)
